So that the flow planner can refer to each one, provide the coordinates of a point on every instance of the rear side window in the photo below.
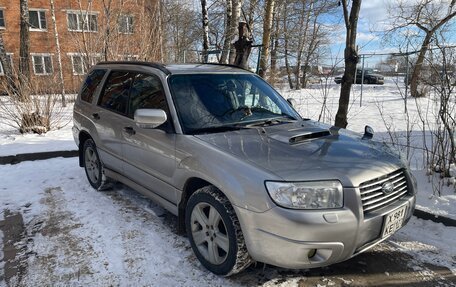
(115, 93)
(90, 85)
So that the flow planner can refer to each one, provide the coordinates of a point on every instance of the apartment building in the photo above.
(88, 31)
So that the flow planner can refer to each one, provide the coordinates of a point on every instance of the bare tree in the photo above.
(236, 16)
(243, 46)
(24, 51)
(205, 30)
(267, 27)
(351, 59)
(304, 21)
(428, 16)
(59, 54)
(228, 34)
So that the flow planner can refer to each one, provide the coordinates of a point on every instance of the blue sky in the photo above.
(372, 18)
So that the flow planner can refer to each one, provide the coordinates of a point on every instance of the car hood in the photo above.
(308, 150)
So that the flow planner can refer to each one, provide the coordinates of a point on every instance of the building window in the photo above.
(10, 59)
(37, 20)
(126, 24)
(78, 65)
(82, 21)
(79, 62)
(2, 20)
(42, 64)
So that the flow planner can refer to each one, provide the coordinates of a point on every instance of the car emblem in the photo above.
(387, 187)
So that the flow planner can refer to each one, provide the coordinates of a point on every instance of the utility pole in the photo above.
(362, 81)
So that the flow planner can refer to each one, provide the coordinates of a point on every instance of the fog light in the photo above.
(311, 253)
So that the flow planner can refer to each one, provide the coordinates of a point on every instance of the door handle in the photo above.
(96, 116)
(129, 130)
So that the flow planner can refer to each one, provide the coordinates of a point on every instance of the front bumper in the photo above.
(305, 239)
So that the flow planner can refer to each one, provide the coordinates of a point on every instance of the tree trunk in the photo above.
(59, 54)
(24, 52)
(285, 35)
(303, 28)
(236, 16)
(251, 16)
(309, 52)
(107, 30)
(351, 59)
(275, 46)
(228, 39)
(415, 79)
(243, 46)
(205, 31)
(267, 23)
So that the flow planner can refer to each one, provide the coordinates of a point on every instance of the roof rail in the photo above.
(227, 65)
(158, 66)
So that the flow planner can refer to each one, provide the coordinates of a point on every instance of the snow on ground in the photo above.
(59, 138)
(104, 242)
(77, 236)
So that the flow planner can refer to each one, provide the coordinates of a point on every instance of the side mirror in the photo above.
(292, 102)
(149, 118)
(368, 133)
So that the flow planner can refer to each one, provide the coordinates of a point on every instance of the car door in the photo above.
(110, 114)
(150, 153)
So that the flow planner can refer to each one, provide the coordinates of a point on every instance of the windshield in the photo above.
(212, 101)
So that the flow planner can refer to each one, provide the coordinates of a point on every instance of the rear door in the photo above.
(150, 153)
(110, 115)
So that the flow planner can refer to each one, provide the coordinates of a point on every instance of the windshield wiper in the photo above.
(271, 121)
(217, 129)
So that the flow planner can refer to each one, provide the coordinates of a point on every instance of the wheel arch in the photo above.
(191, 185)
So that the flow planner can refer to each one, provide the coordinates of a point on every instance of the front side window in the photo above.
(37, 20)
(90, 84)
(115, 94)
(2, 19)
(42, 64)
(126, 24)
(147, 93)
(207, 102)
(82, 21)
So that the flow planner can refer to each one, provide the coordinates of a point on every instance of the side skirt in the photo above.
(171, 207)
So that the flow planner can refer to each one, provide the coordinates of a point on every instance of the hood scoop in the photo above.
(292, 137)
(308, 136)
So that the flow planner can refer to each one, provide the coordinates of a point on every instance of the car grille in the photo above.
(372, 196)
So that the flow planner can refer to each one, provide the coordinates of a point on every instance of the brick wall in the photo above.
(107, 43)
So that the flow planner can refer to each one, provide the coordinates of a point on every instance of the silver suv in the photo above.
(247, 177)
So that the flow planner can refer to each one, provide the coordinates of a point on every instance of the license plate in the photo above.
(393, 221)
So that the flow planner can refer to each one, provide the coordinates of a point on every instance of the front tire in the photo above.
(93, 166)
(215, 233)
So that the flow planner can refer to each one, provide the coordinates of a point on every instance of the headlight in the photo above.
(306, 195)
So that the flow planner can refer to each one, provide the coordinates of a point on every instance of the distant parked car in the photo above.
(369, 77)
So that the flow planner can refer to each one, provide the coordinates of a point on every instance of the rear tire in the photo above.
(93, 166)
(215, 233)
